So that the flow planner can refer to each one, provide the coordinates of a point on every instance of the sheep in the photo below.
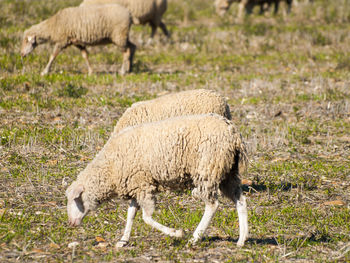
(81, 27)
(223, 5)
(175, 104)
(142, 12)
(204, 153)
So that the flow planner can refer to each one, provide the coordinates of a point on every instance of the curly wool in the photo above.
(200, 152)
(142, 11)
(189, 102)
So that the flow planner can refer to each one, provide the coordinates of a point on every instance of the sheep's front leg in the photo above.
(242, 5)
(133, 207)
(209, 212)
(147, 211)
(289, 6)
(56, 50)
(241, 206)
(277, 3)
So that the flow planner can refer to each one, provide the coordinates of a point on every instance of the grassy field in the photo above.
(287, 80)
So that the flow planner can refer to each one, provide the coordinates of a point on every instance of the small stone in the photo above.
(54, 246)
(247, 182)
(100, 239)
(73, 244)
(334, 203)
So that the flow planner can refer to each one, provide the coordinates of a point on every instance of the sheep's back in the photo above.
(172, 105)
(143, 10)
(91, 24)
(175, 153)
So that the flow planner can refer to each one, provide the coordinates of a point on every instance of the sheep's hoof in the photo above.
(193, 241)
(122, 72)
(149, 41)
(44, 73)
(121, 243)
(240, 243)
(179, 233)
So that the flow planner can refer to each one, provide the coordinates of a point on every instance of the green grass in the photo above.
(286, 79)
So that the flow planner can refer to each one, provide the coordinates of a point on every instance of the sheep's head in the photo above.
(77, 208)
(222, 6)
(28, 44)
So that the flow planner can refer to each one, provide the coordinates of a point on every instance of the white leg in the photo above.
(209, 212)
(56, 51)
(133, 207)
(241, 206)
(241, 8)
(147, 212)
(85, 55)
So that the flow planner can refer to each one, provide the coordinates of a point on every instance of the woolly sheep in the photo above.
(204, 153)
(81, 27)
(189, 102)
(223, 5)
(142, 11)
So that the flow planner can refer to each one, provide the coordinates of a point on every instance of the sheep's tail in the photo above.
(239, 149)
(227, 113)
(230, 187)
(241, 154)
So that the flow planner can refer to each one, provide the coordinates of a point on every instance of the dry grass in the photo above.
(287, 81)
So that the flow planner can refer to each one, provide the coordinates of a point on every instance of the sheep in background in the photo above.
(81, 27)
(142, 11)
(189, 102)
(204, 153)
(222, 6)
(269, 3)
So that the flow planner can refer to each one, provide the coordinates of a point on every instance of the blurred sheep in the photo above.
(222, 6)
(81, 27)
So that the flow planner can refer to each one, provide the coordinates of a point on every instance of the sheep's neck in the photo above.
(97, 179)
(42, 32)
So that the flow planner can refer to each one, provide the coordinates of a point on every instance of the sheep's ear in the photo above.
(31, 39)
(75, 192)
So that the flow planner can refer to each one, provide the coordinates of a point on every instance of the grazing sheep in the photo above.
(81, 27)
(189, 102)
(142, 11)
(223, 5)
(204, 153)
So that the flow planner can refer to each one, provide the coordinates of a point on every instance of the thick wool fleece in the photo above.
(142, 11)
(189, 102)
(200, 152)
(87, 25)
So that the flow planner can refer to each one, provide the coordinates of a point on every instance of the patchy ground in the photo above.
(287, 81)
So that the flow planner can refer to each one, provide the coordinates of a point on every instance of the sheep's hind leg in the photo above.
(128, 57)
(241, 206)
(209, 212)
(85, 55)
(133, 207)
(147, 211)
(164, 29)
(56, 50)
(154, 29)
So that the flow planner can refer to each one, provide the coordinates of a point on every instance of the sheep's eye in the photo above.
(79, 204)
